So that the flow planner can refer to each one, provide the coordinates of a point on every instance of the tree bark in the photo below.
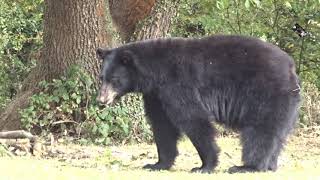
(73, 29)
(143, 19)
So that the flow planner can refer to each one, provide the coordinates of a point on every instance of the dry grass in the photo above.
(310, 107)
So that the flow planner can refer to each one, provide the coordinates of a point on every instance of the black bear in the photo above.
(241, 82)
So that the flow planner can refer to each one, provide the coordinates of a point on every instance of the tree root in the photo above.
(10, 117)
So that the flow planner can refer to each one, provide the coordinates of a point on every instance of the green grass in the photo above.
(300, 160)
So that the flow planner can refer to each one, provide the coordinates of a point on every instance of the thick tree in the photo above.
(142, 19)
(73, 29)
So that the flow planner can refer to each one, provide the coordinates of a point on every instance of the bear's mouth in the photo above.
(107, 95)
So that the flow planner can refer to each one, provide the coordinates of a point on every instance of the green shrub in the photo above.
(20, 40)
(268, 20)
(68, 106)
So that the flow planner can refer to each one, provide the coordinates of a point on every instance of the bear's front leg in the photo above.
(164, 132)
(200, 132)
(186, 112)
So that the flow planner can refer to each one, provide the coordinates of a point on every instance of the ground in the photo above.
(300, 160)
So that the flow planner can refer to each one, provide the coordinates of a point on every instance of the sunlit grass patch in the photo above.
(300, 160)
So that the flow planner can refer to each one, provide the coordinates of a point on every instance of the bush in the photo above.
(273, 22)
(20, 39)
(67, 106)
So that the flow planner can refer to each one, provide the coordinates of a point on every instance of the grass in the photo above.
(300, 160)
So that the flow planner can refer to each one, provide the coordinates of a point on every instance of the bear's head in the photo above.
(116, 74)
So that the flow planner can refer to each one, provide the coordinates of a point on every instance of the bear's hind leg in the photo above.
(273, 164)
(260, 150)
(165, 134)
(286, 129)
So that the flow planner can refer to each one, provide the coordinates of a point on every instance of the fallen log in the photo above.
(20, 134)
(15, 140)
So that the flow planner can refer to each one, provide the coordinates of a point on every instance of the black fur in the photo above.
(241, 82)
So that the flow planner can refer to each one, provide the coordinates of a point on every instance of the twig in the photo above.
(301, 52)
(238, 16)
(228, 22)
(276, 17)
(66, 121)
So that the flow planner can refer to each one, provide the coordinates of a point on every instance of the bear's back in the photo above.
(222, 57)
(214, 49)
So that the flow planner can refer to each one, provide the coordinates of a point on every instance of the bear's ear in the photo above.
(101, 53)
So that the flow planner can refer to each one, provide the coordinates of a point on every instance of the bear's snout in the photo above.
(106, 95)
(101, 99)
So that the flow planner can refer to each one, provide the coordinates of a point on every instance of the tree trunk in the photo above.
(73, 29)
(142, 19)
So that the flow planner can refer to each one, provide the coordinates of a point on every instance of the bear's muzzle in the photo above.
(107, 94)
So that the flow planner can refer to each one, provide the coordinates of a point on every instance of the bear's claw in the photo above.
(204, 170)
(156, 167)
